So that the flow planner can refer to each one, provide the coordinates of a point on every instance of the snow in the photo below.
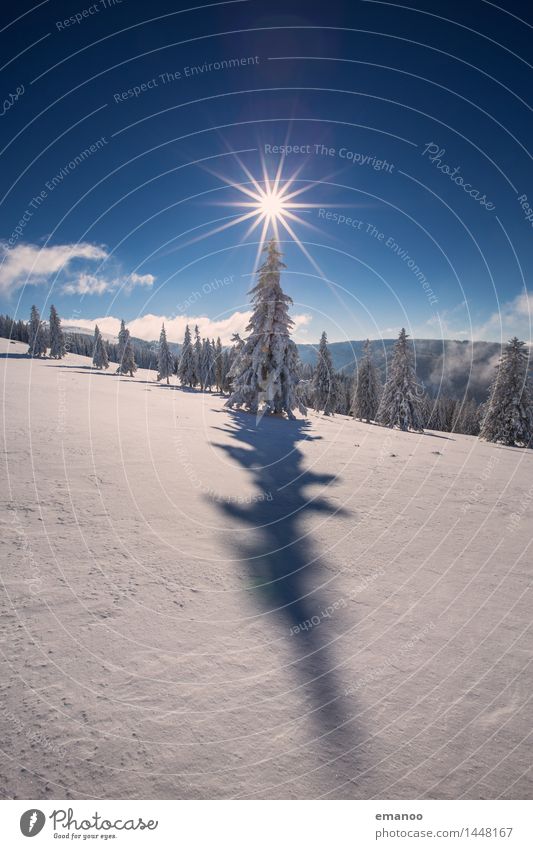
(161, 556)
(85, 331)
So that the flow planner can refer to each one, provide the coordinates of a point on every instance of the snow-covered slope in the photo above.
(194, 605)
(84, 331)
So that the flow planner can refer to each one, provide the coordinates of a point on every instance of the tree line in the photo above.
(264, 372)
(76, 343)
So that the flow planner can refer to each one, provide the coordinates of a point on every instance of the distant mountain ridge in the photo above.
(444, 366)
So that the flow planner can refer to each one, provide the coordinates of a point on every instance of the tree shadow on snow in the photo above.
(286, 574)
(77, 369)
(97, 372)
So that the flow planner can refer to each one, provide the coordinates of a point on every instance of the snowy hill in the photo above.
(195, 605)
(82, 331)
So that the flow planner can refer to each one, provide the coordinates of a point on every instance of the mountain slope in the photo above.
(196, 605)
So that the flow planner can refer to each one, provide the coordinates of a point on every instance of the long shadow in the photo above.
(92, 371)
(285, 571)
(8, 355)
(438, 436)
(83, 369)
(96, 372)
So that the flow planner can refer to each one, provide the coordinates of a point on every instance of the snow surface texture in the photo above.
(195, 606)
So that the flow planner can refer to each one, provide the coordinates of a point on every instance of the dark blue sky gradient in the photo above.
(372, 78)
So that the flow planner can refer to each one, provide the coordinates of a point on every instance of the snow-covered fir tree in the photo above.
(36, 334)
(367, 387)
(305, 387)
(123, 336)
(338, 393)
(448, 408)
(431, 413)
(466, 417)
(128, 366)
(226, 368)
(229, 358)
(508, 412)
(100, 358)
(165, 360)
(197, 358)
(266, 370)
(324, 394)
(126, 357)
(238, 342)
(401, 403)
(343, 386)
(207, 365)
(219, 365)
(186, 370)
(57, 340)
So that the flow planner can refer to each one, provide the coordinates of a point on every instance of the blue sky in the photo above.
(411, 128)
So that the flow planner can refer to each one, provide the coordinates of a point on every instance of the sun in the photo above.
(271, 205)
(270, 202)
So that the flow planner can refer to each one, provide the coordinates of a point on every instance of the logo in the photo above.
(32, 822)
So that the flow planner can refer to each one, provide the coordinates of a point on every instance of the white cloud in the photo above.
(139, 280)
(34, 265)
(301, 322)
(88, 284)
(514, 318)
(148, 326)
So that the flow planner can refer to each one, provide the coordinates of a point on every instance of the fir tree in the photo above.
(226, 369)
(324, 395)
(207, 361)
(219, 366)
(343, 393)
(186, 370)
(447, 412)
(212, 362)
(36, 334)
(402, 400)
(440, 414)
(305, 387)
(57, 340)
(266, 370)
(338, 393)
(165, 360)
(126, 357)
(466, 418)
(431, 413)
(230, 358)
(508, 412)
(100, 358)
(129, 366)
(197, 358)
(123, 336)
(238, 343)
(368, 387)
